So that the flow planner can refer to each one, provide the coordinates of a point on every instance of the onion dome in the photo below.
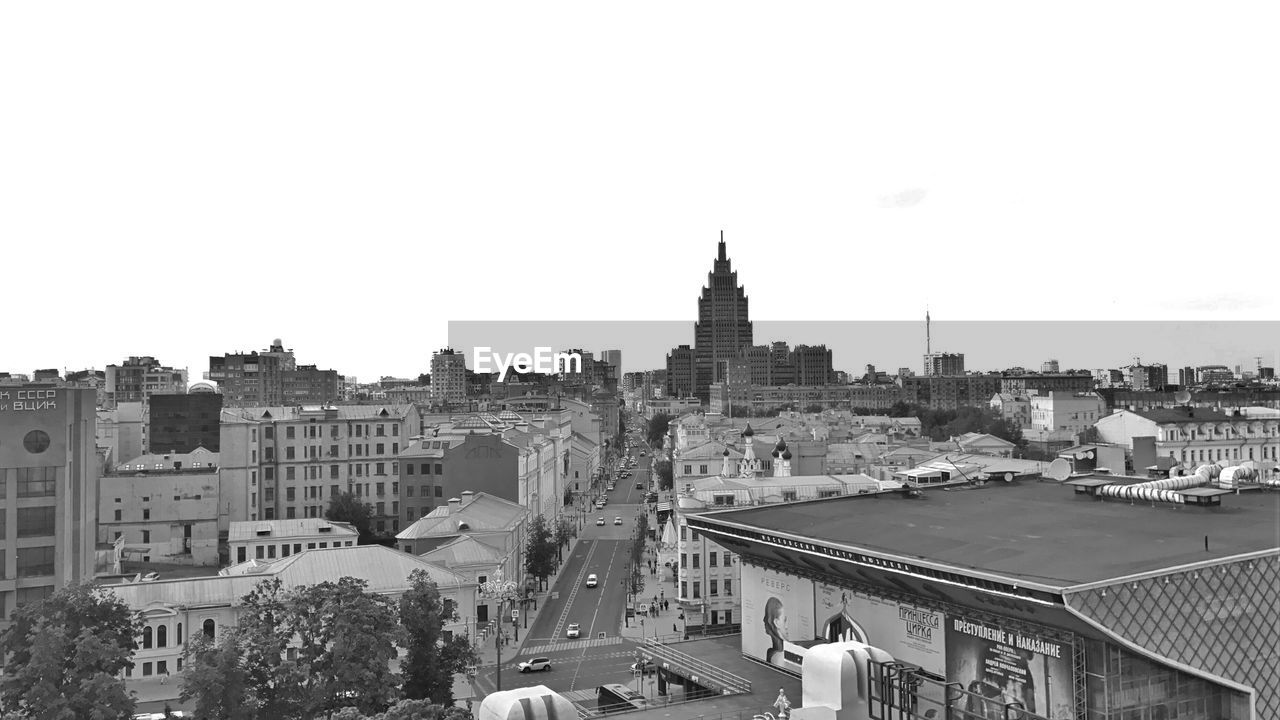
(726, 452)
(786, 454)
(775, 454)
(782, 445)
(748, 432)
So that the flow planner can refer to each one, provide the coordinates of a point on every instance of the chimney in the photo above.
(455, 504)
(467, 496)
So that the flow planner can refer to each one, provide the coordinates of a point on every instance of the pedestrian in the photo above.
(673, 627)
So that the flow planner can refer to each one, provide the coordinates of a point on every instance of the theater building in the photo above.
(1033, 592)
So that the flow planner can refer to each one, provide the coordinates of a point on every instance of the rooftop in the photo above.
(250, 530)
(1034, 532)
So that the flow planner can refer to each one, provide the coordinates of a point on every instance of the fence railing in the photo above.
(903, 692)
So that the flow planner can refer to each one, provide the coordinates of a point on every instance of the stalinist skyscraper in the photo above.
(722, 328)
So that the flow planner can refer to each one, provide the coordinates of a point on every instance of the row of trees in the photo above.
(544, 546)
(299, 654)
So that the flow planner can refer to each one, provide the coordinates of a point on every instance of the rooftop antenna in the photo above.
(1058, 470)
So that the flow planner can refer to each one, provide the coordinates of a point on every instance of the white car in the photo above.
(617, 520)
(535, 664)
(575, 630)
(599, 521)
(592, 580)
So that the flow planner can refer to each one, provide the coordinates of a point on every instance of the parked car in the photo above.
(640, 486)
(535, 665)
(592, 580)
(574, 630)
(617, 520)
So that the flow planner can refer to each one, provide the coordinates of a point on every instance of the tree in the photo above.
(348, 637)
(431, 661)
(657, 430)
(348, 508)
(563, 534)
(214, 677)
(540, 550)
(814, 408)
(665, 477)
(64, 655)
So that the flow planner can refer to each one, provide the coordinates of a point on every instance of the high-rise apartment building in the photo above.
(48, 490)
(723, 327)
(141, 377)
(682, 372)
(448, 376)
(181, 423)
(944, 363)
(272, 377)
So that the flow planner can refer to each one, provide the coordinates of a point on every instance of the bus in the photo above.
(614, 697)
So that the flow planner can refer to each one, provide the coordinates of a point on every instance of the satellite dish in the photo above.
(1182, 397)
(1088, 455)
(1058, 470)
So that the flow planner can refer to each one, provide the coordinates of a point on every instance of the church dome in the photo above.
(782, 445)
(726, 452)
(786, 454)
(775, 453)
(748, 432)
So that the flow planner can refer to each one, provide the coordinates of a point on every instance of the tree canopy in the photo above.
(657, 430)
(64, 654)
(348, 508)
(540, 549)
(432, 661)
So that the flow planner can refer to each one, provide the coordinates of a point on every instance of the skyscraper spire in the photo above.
(722, 256)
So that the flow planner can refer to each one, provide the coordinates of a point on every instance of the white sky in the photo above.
(187, 179)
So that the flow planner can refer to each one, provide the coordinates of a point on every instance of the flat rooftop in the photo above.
(1037, 532)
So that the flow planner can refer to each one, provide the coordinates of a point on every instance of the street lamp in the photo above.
(502, 591)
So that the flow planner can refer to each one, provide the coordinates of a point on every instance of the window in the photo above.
(289, 493)
(726, 560)
(288, 432)
(117, 516)
(408, 513)
(146, 668)
(333, 491)
(146, 536)
(713, 589)
(408, 490)
(684, 588)
(684, 560)
(684, 532)
(37, 482)
(688, 469)
(381, 488)
(439, 491)
(162, 636)
(240, 554)
(697, 589)
(439, 469)
(381, 449)
(696, 560)
(289, 473)
(788, 495)
(693, 535)
(179, 642)
(260, 552)
(209, 628)
(146, 513)
(711, 559)
(289, 513)
(146, 640)
(408, 467)
(269, 432)
(702, 469)
(728, 588)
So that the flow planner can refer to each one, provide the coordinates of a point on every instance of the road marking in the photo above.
(564, 614)
(607, 572)
(571, 645)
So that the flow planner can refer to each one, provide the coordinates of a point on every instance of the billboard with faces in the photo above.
(777, 617)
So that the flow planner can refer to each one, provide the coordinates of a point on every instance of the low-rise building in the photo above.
(166, 508)
(173, 611)
(1194, 436)
(272, 539)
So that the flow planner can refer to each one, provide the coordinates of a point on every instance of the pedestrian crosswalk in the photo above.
(573, 645)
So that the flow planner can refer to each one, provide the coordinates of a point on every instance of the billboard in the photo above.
(909, 633)
(33, 426)
(777, 617)
(1009, 666)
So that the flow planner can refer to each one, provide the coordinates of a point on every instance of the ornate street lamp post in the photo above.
(502, 591)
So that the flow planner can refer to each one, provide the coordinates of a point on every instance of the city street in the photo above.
(601, 655)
